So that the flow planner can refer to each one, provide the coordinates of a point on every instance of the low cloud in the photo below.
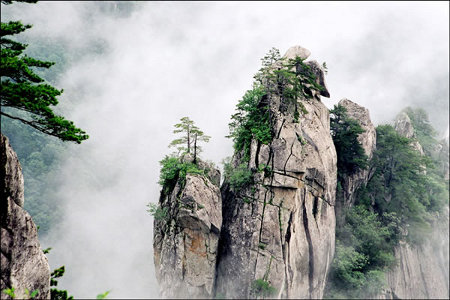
(161, 61)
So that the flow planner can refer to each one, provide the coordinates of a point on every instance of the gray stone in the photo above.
(23, 263)
(368, 142)
(320, 77)
(286, 232)
(422, 271)
(295, 51)
(404, 127)
(186, 239)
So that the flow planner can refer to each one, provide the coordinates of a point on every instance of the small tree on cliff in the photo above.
(345, 131)
(24, 93)
(188, 143)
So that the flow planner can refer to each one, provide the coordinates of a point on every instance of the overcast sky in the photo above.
(166, 60)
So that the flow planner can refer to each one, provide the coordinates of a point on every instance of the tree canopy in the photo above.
(192, 135)
(24, 95)
(345, 131)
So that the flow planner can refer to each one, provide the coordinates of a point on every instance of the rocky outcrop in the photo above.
(186, 236)
(404, 127)
(439, 152)
(368, 139)
(281, 229)
(23, 263)
(422, 271)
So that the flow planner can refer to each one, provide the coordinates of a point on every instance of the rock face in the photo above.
(368, 141)
(422, 271)
(404, 127)
(23, 264)
(281, 229)
(186, 237)
(295, 51)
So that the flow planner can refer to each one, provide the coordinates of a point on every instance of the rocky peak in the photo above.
(280, 230)
(404, 127)
(368, 140)
(295, 51)
(23, 263)
(186, 236)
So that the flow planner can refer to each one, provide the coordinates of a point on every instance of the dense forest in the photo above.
(406, 193)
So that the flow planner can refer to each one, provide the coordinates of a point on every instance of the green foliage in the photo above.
(56, 294)
(172, 169)
(425, 134)
(402, 183)
(251, 121)
(262, 289)
(31, 295)
(168, 176)
(191, 136)
(103, 296)
(157, 212)
(247, 200)
(398, 203)
(266, 169)
(40, 157)
(239, 177)
(10, 292)
(324, 67)
(46, 251)
(344, 130)
(292, 81)
(423, 130)
(23, 90)
(364, 251)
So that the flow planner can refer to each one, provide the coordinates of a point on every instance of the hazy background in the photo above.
(152, 63)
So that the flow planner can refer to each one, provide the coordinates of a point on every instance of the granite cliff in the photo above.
(269, 230)
(23, 263)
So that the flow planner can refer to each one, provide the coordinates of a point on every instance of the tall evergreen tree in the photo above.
(191, 136)
(24, 95)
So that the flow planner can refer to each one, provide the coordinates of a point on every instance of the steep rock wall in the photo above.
(423, 270)
(186, 238)
(23, 264)
(404, 127)
(281, 229)
(368, 141)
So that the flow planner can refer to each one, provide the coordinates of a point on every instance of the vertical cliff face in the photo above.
(186, 236)
(404, 127)
(368, 141)
(23, 264)
(281, 229)
(422, 270)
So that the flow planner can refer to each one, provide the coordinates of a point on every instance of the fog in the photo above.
(161, 61)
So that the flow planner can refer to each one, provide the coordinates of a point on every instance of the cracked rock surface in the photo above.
(282, 228)
(422, 271)
(186, 238)
(351, 183)
(23, 264)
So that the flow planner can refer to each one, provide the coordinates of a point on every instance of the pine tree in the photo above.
(24, 95)
(187, 144)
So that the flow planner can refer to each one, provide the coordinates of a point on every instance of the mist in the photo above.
(161, 61)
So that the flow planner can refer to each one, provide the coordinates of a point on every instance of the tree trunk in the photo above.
(195, 148)
(188, 141)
